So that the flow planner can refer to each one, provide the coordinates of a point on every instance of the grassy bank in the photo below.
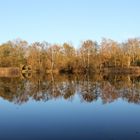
(119, 70)
(10, 72)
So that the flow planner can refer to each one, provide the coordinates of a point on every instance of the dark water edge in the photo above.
(70, 107)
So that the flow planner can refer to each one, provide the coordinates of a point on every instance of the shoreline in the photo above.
(119, 70)
(16, 71)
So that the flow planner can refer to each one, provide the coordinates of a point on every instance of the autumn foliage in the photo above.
(89, 57)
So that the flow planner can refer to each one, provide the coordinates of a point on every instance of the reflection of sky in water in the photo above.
(73, 118)
(62, 119)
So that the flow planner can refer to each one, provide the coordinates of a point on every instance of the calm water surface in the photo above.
(70, 107)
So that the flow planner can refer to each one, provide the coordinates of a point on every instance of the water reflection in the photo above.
(89, 88)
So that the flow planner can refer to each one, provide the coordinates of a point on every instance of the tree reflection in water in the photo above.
(89, 88)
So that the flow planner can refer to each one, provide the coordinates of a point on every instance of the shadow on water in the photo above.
(89, 88)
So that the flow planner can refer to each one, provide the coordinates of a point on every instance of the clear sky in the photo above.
(57, 21)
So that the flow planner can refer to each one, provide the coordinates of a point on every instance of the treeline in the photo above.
(89, 57)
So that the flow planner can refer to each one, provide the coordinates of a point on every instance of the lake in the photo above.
(70, 107)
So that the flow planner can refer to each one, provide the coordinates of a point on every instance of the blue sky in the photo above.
(57, 21)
